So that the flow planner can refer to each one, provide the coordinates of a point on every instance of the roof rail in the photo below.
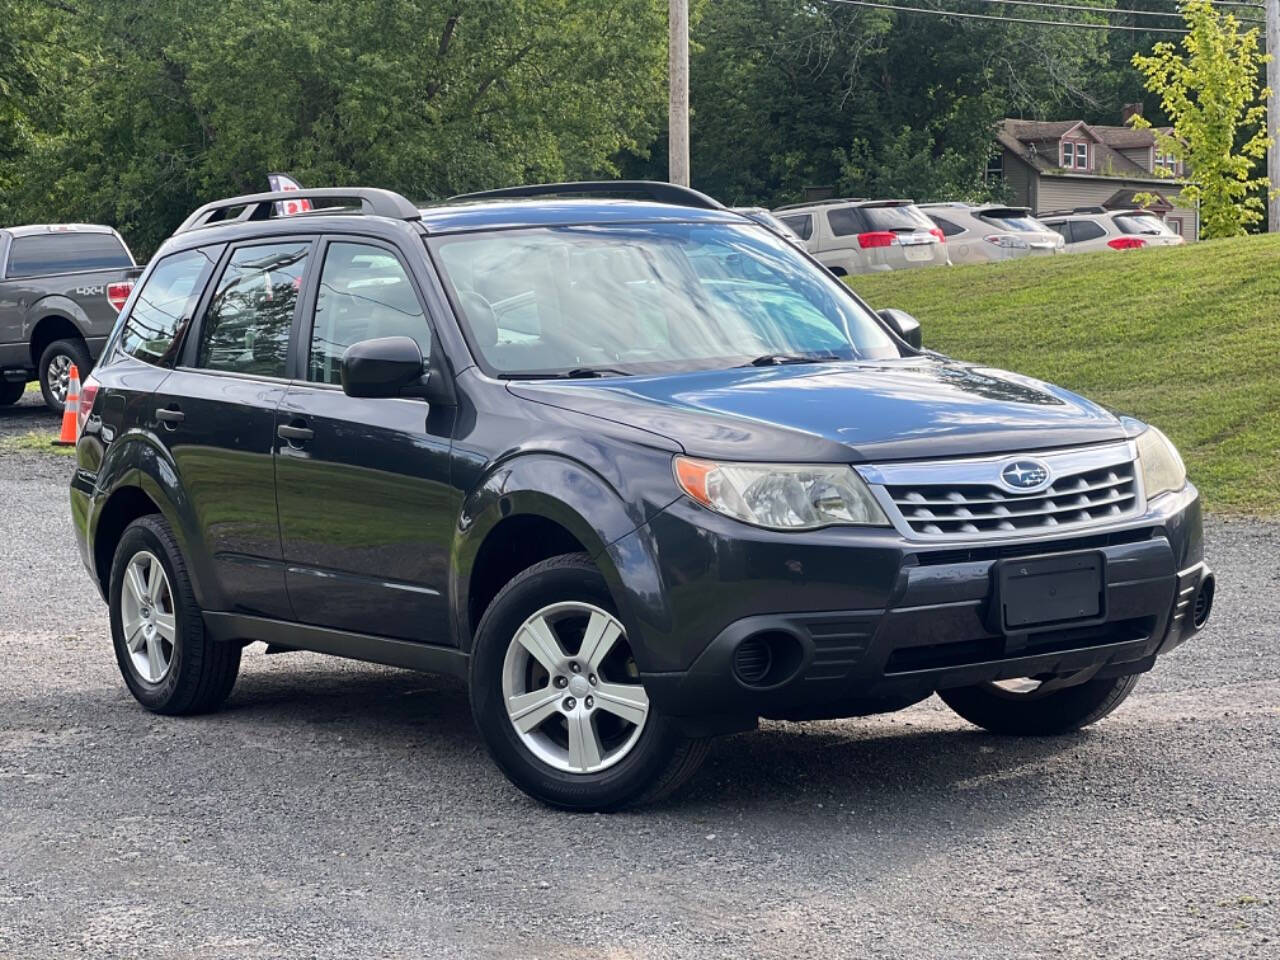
(258, 206)
(822, 203)
(1069, 211)
(655, 190)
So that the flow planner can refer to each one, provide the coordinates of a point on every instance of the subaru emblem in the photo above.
(1025, 476)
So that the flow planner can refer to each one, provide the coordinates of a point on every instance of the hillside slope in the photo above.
(1187, 339)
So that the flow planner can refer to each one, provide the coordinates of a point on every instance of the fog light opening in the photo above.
(1204, 603)
(767, 659)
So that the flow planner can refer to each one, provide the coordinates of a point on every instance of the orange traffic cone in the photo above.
(70, 412)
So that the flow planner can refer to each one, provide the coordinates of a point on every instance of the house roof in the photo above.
(1126, 200)
(1125, 138)
(1028, 139)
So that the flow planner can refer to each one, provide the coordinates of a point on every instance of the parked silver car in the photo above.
(987, 232)
(866, 236)
(1090, 229)
(766, 219)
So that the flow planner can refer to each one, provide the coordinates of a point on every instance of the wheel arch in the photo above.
(509, 522)
(139, 478)
(53, 326)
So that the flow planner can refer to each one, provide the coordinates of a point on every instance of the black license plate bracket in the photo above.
(1042, 592)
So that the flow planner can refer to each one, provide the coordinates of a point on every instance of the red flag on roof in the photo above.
(282, 181)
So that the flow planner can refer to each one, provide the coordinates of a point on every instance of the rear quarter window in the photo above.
(948, 228)
(801, 224)
(163, 307)
(1082, 230)
(46, 254)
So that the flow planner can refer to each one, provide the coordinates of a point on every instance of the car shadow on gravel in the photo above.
(865, 764)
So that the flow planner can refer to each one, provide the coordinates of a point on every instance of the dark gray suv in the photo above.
(640, 471)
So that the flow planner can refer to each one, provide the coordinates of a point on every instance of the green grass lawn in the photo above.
(1187, 339)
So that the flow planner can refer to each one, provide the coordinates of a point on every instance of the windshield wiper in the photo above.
(778, 359)
(582, 372)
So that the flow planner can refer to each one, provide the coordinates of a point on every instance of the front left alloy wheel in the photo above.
(168, 662)
(556, 693)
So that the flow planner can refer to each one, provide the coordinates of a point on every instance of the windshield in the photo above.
(1014, 220)
(1144, 223)
(648, 298)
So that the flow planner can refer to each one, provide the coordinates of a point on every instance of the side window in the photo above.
(845, 221)
(1082, 230)
(802, 224)
(246, 327)
(161, 311)
(364, 293)
(948, 228)
(1060, 226)
(44, 254)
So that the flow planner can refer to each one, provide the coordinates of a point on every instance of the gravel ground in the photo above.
(341, 810)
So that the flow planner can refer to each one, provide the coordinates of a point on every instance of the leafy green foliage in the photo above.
(1210, 93)
(164, 105)
(1187, 338)
(788, 94)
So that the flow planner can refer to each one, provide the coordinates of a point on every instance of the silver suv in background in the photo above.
(852, 236)
(766, 219)
(987, 232)
(1089, 229)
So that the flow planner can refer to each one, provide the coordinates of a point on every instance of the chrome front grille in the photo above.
(967, 498)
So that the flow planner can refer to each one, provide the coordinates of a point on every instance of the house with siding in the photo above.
(1064, 164)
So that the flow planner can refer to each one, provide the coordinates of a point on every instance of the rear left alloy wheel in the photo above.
(556, 694)
(165, 657)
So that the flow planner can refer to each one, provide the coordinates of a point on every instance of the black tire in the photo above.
(661, 760)
(73, 350)
(11, 392)
(1061, 711)
(201, 671)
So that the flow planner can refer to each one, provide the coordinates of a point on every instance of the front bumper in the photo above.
(878, 621)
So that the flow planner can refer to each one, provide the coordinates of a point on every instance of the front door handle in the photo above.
(170, 415)
(294, 433)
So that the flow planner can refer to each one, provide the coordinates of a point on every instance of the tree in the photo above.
(791, 93)
(155, 108)
(1210, 94)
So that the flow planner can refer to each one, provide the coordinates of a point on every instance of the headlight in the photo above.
(1162, 468)
(780, 496)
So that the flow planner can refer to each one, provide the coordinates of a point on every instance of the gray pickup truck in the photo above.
(61, 287)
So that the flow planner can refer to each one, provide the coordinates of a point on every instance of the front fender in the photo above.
(583, 503)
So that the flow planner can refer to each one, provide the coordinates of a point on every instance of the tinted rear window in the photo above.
(850, 220)
(1018, 221)
(50, 253)
(1142, 223)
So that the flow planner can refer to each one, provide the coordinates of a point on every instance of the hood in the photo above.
(914, 408)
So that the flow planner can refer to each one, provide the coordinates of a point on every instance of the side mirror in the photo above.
(905, 325)
(385, 367)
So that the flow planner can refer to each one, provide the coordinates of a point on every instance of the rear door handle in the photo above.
(170, 415)
(293, 433)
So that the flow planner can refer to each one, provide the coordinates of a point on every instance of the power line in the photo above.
(1102, 10)
(1078, 25)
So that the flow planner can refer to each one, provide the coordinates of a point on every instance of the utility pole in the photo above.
(678, 84)
(1273, 114)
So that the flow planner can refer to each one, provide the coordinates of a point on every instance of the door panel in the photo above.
(366, 507)
(217, 415)
(366, 513)
(222, 449)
